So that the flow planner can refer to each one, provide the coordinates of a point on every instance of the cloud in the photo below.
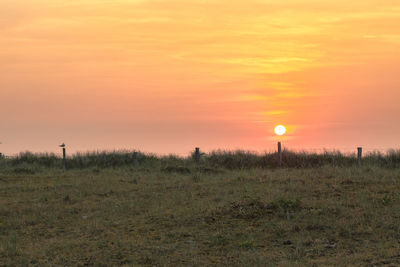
(228, 60)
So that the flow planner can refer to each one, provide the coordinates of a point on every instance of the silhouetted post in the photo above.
(197, 155)
(359, 156)
(135, 159)
(64, 157)
(279, 154)
(1, 155)
(64, 160)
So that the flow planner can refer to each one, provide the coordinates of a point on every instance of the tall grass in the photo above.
(238, 159)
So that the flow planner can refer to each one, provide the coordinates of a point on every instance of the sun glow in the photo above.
(158, 75)
(280, 130)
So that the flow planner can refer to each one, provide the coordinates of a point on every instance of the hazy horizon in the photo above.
(167, 76)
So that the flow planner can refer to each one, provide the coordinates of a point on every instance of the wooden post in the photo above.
(1, 155)
(279, 154)
(359, 156)
(197, 155)
(64, 159)
(135, 159)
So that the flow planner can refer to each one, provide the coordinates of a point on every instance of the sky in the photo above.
(165, 76)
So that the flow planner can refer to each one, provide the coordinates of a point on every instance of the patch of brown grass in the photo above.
(324, 216)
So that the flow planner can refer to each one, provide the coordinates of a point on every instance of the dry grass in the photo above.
(164, 216)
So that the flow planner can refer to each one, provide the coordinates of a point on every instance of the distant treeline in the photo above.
(238, 159)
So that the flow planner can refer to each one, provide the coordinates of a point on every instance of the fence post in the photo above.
(1, 155)
(64, 160)
(64, 157)
(135, 159)
(359, 156)
(197, 155)
(279, 154)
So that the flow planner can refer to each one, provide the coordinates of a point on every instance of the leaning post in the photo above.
(359, 156)
(279, 154)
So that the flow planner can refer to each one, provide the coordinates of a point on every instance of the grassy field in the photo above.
(177, 213)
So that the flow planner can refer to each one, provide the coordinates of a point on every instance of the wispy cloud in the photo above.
(256, 60)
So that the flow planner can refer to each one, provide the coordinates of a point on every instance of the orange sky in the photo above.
(168, 75)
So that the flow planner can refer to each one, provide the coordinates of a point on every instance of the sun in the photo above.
(280, 130)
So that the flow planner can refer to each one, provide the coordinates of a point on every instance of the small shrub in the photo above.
(247, 209)
(24, 170)
(387, 200)
(176, 169)
(286, 205)
(11, 245)
(208, 170)
(247, 245)
(196, 178)
(218, 241)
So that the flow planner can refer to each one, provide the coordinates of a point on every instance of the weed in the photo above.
(247, 245)
(24, 170)
(176, 169)
(285, 205)
(387, 200)
(11, 245)
(218, 241)
(196, 178)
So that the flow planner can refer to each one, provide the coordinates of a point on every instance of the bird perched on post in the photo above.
(62, 145)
